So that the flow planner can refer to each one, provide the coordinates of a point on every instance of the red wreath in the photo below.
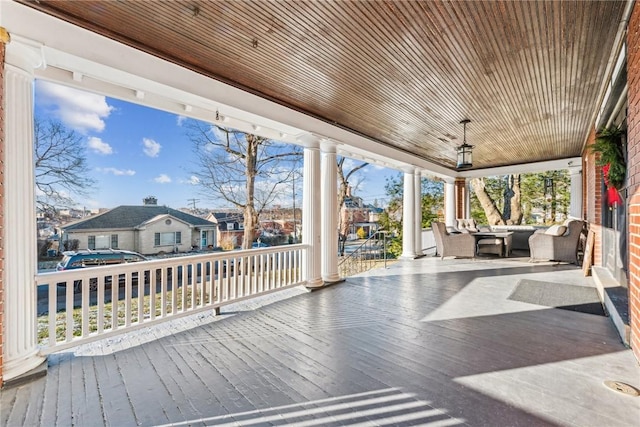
(613, 196)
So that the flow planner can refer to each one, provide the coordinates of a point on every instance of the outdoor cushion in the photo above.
(467, 224)
(556, 230)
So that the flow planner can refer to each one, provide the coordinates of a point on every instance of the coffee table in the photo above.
(504, 235)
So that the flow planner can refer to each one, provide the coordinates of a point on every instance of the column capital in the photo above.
(25, 54)
(328, 146)
(310, 140)
(411, 170)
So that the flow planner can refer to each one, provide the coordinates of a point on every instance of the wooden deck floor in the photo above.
(425, 342)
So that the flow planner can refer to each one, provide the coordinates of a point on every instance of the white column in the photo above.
(418, 215)
(408, 216)
(311, 215)
(575, 203)
(329, 194)
(449, 203)
(20, 264)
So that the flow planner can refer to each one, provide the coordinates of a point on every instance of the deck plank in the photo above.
(425, 342)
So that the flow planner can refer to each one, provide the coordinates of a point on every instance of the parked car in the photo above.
(95, 258)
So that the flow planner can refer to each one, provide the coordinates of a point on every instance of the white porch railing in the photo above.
(83, 305)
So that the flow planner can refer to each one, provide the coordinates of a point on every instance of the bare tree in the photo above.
(61, 169)
(247, 171)
(512, 211)
(344, 222)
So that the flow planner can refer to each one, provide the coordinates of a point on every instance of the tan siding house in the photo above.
(147, 229)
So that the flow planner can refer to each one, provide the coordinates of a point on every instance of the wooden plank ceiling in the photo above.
(527, 73)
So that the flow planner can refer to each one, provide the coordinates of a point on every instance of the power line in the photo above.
(193, 203)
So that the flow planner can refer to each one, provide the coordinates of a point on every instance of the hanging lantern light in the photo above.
(465, 154)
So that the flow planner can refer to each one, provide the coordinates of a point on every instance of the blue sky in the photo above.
(134, 151)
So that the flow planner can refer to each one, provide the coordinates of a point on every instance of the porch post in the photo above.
(408, 216)
(575, 202)
(329, 189)
(449, 203)
(418, 214)
(462, 198)
(20, 337)
(311, 213)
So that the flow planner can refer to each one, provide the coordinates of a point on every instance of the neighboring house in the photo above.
(147, 229)
(355, 215)
(230, 227)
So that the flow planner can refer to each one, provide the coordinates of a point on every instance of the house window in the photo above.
(168, 239)
(99, 242)
(229, 226)
(114, 241)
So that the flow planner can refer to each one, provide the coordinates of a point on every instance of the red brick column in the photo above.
(633, 140)
(461, 197)
(592, 176)
(4, 38)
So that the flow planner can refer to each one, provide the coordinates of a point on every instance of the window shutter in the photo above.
(178, 237)
(157, 239)
(114, 241)
(91, 244)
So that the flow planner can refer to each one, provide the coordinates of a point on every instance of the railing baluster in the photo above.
(69, 308)
(53, 313)
(114, 306)
(115, 281)
(142, 274)
(85, 310)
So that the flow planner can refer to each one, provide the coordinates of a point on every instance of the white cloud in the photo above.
(180, 120)
(117, 172)
(79, 110)
(97, 145)
(193, 180)
(151, 148)
(162, 179)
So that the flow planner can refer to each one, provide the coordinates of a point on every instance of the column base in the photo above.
(314, 284)
(324, 284)
(40, 370)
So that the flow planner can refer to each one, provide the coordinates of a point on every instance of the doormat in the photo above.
(558, 295)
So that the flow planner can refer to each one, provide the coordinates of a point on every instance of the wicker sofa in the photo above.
(448, 244)
(556, 243)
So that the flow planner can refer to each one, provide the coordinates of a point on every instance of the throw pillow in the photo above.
(556, 230)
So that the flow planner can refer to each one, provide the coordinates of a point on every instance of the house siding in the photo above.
(146, 242)
(126, 238)
(633, 141)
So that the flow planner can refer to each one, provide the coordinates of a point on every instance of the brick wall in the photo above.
(2, 49)
(460, 192)
(633, 139)
(592, 180)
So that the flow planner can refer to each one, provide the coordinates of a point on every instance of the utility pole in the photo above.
(193, 203)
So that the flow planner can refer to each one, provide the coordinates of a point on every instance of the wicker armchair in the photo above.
(460, 245)
(544, 246)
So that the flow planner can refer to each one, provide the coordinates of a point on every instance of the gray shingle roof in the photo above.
(133, 216)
